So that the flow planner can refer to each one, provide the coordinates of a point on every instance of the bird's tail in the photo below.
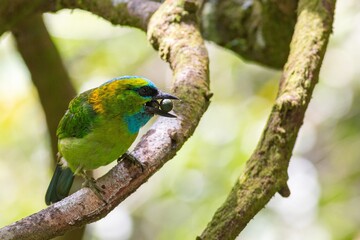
(60, 185)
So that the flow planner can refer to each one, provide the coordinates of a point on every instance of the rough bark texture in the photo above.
(257, 30)
(174, 21)
(266, 170)
(47, 71)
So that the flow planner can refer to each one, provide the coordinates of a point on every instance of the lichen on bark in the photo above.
(266, 171)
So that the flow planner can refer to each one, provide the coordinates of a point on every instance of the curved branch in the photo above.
(175, 31)
(135, 13)
(266, 170)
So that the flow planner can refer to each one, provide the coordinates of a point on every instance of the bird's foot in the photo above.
(132, 159)
(91, 183)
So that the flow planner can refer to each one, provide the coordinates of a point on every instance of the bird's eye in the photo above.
(147, 91)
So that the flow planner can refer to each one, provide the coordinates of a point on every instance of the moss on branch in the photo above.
(266, 170)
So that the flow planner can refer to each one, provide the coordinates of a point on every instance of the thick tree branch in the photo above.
(266, 170)
(135, 13)
(174, 30)
(47, 71)
(257, 30)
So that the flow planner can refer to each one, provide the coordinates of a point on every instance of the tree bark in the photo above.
(266, 170)
(258, 31)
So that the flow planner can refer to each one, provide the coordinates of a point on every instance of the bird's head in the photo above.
(154, 101)
(130, 95)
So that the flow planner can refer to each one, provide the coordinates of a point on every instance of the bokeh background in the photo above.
(181, 198)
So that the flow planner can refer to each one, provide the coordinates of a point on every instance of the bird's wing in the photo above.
(78, 119)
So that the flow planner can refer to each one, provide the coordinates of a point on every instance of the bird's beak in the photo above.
(162, 95)
(154, 107)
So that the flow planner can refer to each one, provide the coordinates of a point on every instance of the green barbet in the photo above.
(99, 127)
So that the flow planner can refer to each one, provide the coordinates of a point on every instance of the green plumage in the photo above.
(99, 127)
(77, 121)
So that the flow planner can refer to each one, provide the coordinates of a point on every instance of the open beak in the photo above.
(162, 95)
(154, 107)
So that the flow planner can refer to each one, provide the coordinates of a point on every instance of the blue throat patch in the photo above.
(136, 121)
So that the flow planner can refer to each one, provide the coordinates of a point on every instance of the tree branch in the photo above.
(135, 13)
(266, 170)
(47, 71)
(257, 30)
(174, 30)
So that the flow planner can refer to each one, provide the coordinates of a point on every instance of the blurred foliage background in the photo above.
(180, 199)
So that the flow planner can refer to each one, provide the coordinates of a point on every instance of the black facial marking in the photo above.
(147, 91)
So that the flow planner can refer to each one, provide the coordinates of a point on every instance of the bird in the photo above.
(99, 127)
